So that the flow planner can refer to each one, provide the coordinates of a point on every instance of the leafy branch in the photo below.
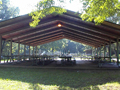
(99, 10)
(44, 8)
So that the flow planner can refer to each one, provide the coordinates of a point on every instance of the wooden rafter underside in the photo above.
(18, 30)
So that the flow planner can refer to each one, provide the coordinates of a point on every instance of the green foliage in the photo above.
(54, 46)
(7, 11)
(64, 45)
(100, 10)
(0, 2)
(44, 8)
(93, 10)
(6, 48)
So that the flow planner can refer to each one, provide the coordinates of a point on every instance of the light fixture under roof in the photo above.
(59, 25)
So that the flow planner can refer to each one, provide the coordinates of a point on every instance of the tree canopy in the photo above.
(7, 11)
(64, 45)
(100, 10)
(45, 7)
(93, 10)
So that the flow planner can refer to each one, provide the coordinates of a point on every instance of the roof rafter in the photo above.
(47, 41)
(33, 31)
(73, 28)
(84, 39)
(43, 37)
(38, 35)
(86, 36)
(85, 26)
(80, 41)
(105, 25)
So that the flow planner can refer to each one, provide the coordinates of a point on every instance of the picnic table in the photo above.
(41, 59)
(10, 57)
(102, 60)
(7, 57)
(67, 60)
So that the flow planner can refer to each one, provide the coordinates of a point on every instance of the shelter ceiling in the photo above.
(73, 28)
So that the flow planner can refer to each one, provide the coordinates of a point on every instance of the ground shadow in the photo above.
(66, 79)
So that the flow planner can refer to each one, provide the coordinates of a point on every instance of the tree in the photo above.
(44, 8)
(64, 45)
(114, 19)
(54, 46)
(7, 11)
(93, 10)
(100, 10)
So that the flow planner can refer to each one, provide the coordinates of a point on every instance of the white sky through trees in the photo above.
(26, 6)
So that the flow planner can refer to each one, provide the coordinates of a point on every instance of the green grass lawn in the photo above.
(58, 79)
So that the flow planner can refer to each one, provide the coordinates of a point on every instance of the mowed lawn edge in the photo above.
(14, 78)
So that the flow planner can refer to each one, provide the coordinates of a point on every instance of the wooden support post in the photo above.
(92, 54)
(110, 50)
(117, 51)
(7, 54)
(97, 51)
(24, 51)
(92, 51)
(0, 47)
(18, 50)
(36, 54)
(11, 50)
(33, 50)
(100, 51)
(36, 51)
(104, 51)
(29, 52)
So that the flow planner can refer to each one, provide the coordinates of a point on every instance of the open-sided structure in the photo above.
(72, 27)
